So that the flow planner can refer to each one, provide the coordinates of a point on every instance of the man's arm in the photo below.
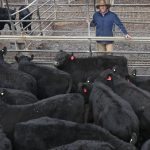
(118, 22)
(92, 23)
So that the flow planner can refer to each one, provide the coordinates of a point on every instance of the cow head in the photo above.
(24, 58)
(132, 77)
(107, 77)
(134, 73)
(63, 57)
(2, 52)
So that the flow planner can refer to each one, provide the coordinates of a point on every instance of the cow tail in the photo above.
(70, 85)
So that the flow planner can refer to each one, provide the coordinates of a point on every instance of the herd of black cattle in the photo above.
(78, 104)
(25, 16)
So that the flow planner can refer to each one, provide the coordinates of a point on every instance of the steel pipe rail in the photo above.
(77, 20)
(62, 4)
(83, 51)
(135, 11)
(72, 38)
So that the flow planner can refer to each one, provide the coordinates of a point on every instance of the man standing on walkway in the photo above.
(104, 20)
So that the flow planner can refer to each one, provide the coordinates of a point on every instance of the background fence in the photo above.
(68, 21)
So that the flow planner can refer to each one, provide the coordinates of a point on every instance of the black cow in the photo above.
(108, 110)
(67, 107)
(146, 145)
(138, 98)
(86, 145)
(82, 68)
(16, 97)
(142, 82)
(2, 61)
(27, 16)
(50, 81)
(45, 133)
(14, 79)
(5, 143)
(5, 16)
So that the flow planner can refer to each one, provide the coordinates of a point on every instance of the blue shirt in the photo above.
(104, 24)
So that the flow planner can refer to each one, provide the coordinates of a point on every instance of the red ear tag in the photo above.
(109, 78)
(85, 90)
(72, 58)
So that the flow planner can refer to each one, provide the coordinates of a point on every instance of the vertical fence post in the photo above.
(26, 2)
(9, 15)
(94, 6)
(88, 22)
(11, 23)
(2, 3)
(55, 9)
(39, 18)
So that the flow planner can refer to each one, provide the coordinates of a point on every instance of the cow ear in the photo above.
(31, 58)
(4, 50)
(114, 69)
(17, 58)
(134, 72)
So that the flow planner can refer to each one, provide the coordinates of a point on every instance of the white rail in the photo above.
(72, 38)
(24, 8)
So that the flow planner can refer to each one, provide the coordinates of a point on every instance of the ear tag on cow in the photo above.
(72, 58)
(85, 90)
(109, 78)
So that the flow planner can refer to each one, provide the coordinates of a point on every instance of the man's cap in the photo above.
(104, 3)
